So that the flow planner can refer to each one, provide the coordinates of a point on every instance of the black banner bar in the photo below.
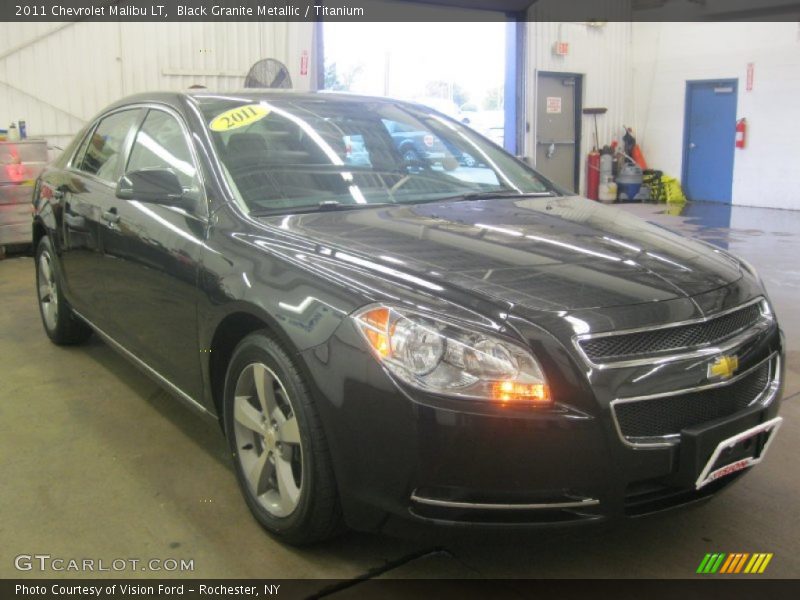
(737, 588)
(397, 10)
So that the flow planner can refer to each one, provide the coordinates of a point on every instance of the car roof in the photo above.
(178, 100)
(249, 94)
(273, 94)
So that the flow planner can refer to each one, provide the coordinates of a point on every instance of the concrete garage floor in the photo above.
(99, 462)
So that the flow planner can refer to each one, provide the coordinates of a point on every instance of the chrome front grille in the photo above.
(659, 419)
(681, 338)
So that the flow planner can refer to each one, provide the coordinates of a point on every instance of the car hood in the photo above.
(550, 254)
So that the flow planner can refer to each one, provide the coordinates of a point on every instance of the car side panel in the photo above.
(152, 255)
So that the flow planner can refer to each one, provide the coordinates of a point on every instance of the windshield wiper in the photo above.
(489, 195)
(325, 205)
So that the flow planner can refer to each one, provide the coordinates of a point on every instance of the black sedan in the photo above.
(391, 342)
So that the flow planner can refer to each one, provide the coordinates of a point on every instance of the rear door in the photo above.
(89, 195)
(155, 251)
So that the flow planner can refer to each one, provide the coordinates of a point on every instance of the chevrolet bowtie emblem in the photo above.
(723, 367)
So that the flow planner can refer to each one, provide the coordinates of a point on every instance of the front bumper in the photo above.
(400, 453)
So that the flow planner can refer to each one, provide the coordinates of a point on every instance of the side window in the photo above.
(104, 145)
(81, 151)
(160, 144)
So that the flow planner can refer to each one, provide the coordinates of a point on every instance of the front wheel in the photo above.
(278, 444)
(60, 323)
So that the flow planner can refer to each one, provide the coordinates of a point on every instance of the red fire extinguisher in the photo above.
(741, 132)
(593, 175)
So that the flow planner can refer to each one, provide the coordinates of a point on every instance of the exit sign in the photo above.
(561, 48)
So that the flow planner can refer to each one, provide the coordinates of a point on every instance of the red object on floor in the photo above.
(592, 175)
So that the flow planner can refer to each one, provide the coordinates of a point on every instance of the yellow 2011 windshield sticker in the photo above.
(240, 116)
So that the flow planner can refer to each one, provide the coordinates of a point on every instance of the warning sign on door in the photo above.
(554, 104)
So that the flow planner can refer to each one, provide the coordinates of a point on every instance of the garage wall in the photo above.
(666, 55)
(601, 54)
(56, 76)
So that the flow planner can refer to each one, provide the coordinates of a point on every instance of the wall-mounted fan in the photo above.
(268, 73)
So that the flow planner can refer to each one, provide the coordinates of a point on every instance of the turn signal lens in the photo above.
(377, 321)
(444, 358)
(511, 391)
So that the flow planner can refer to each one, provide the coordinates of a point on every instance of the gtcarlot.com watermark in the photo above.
(46, 563)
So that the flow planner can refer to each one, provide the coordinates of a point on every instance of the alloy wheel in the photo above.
(48, 292)
(268, 440)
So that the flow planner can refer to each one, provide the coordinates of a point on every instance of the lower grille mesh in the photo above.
(659, 417)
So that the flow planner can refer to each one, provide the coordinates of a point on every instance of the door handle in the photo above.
(111, 216)
(692, 145)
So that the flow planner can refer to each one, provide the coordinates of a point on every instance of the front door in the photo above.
(557, 128)
(709, 138)
(155, 251)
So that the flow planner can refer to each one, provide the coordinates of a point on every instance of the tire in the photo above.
(59, 321)
(283, 465)
(411, 156)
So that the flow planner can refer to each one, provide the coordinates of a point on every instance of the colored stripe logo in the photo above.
(734, 563)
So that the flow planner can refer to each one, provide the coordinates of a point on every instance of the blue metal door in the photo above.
(709, 138)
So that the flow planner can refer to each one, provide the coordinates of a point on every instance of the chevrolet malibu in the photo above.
(392, 340)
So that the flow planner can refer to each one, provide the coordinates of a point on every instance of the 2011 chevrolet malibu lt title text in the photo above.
(390, 337)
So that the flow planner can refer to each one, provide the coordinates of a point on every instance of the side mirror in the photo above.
(156, 186)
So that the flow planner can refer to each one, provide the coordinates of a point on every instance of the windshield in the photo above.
(287, 154)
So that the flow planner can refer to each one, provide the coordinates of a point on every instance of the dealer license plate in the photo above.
(753, 442)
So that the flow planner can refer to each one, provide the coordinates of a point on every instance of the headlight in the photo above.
(437, 356)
